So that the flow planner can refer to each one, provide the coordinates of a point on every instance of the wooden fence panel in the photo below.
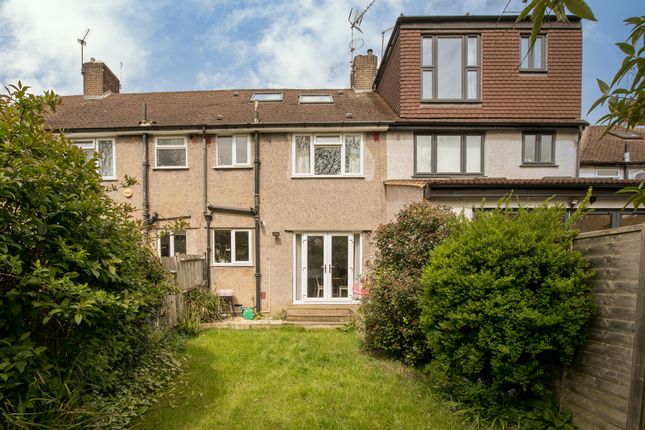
(604, 386)
(187, 272)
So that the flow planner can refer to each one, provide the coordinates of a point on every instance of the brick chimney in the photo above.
(363, 72)
(98, 80)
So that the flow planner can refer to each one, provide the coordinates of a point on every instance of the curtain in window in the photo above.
(352, 154)
(303, 148)
(106, 158)
(448, 154)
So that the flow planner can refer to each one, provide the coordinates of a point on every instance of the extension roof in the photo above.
(610, 148)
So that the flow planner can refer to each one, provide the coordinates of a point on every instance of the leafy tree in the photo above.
(625, 101)
(506, 301)
(79, 292)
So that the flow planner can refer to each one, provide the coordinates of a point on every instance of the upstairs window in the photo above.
(170, 152)
(532, 59)
(450, 68)
(103, 149)
(171, 244)
(538, 148)
(448, 154)
(328, 155)
(233, 151)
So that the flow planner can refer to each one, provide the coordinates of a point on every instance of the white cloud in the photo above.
(40, 42)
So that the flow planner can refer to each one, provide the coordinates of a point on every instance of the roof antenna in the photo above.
(82, 42)
(355, 23)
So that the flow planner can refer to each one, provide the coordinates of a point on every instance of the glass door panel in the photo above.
(315, 264)
(339, 266)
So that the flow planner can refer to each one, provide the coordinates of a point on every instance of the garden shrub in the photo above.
(200, 306)
(506, 301)
(79, 291)
(390, 309)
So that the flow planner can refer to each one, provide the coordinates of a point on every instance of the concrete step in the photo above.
(330, 318)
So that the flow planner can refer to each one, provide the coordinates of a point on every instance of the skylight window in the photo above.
(267, 97)
(316, 98)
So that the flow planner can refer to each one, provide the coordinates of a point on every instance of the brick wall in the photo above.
(364, 71)
(389, 87)
(98, 80)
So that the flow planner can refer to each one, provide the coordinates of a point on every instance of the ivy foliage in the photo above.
(79, 291)
(506, 301)
(390, 310)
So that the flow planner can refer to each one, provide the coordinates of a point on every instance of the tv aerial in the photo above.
(355, 19)
(82, 42)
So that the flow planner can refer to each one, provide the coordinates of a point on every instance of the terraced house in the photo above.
(282, 188)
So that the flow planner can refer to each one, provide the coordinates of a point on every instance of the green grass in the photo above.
(294, 379)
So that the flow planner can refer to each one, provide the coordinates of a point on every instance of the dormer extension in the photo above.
(480, 69)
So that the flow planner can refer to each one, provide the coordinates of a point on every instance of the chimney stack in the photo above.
(363, 72)
(98, 80)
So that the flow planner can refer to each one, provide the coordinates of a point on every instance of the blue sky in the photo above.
(170, 45)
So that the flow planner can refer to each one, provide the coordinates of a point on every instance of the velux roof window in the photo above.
(267, 97)
(315, 98)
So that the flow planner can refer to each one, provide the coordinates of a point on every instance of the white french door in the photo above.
(327, 267)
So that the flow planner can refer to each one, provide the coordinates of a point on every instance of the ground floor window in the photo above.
(603, 219)
(231, 247)
(172, 243)
(326, 266)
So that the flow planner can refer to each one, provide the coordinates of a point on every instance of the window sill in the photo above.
(533, 72)
(327, 177)
(231, 264)
(539, 165)
(170, 168)
(448, 175)
(109, 179)
(473, 103)
(243, 167)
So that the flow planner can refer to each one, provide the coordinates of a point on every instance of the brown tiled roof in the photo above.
(610, 148)
(196, 108)
(512, 183)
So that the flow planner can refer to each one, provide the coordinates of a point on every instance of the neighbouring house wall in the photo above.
(396, 197)
(604, 388)
(287, 205)
(502, 155)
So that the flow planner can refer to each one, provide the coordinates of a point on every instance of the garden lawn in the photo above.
(290, 378)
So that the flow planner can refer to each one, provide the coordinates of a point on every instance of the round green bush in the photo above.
(506, 301)
(390, 310)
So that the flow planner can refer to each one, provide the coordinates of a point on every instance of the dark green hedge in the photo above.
(506, 301)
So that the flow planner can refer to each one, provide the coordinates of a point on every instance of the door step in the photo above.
(320, 315)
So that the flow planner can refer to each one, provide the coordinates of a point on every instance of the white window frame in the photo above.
(314, 99)
(95, 146)
(617, 174)
(312, 146)
(234, 149)
(233, 262)
(184, 146)
(171, 245)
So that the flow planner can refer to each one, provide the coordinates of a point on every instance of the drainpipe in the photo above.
(146, 203)
(578, 149)
(207, 215)
(626, 159)
(256, 201)
(145, 165)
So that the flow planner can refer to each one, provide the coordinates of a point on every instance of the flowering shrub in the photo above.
(390, 309)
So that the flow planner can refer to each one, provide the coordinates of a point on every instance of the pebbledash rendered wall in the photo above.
(288, 205)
